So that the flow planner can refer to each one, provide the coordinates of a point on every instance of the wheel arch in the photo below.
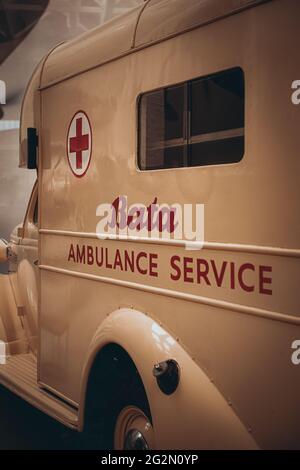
(180, 419)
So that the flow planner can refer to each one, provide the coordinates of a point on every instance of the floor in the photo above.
(24, 427)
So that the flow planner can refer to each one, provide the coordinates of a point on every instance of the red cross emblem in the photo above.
(79, 144)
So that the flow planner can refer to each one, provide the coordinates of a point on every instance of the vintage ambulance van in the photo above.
(117, 330)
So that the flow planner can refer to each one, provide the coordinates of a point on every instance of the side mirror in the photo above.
(3, 251)
(32, 144)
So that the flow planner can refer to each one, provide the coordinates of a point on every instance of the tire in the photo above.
(117, 403)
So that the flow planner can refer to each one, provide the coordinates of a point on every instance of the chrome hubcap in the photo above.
(133, 430)
(134, 440)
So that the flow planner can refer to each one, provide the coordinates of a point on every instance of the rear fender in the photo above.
(196, 415)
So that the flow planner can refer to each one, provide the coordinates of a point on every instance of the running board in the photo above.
(19, 375)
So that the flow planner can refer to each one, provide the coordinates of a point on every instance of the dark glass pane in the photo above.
(217, 152)
(173, 157)
(164, 158)
(174, 107)
(161, 120)
(217, 102)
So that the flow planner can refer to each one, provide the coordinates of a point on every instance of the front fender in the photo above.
(196, 415)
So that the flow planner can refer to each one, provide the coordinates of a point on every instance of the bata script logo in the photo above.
(176, 222)
(2, 92)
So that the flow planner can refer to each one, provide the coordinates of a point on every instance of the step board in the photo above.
(19, 375)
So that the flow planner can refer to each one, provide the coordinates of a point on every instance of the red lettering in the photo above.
(153, 265)
(187, 269)
(118, 261)
(264, 280)
(242, 269)
(129, 261)
(232, 275)
(90, 255)
(80, 255)
(134, 220)
(142, 254)
(169, 224)
(174, 259)
(115, 222)
(107, 263)
(219, 277)
(71, 253)
(99, 260)
(202, 274)
(151, 211)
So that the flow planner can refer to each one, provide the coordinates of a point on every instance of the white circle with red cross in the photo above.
(79, 144)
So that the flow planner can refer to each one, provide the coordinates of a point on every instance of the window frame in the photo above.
(187, 120)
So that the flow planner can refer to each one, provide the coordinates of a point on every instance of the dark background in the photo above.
(24, 427)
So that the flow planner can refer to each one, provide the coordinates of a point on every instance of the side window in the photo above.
(200, 122)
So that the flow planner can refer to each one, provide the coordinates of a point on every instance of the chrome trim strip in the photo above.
(235, 247)
(277, 316)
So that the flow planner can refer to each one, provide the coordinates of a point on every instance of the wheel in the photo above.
(133, 430)
(118, 414)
